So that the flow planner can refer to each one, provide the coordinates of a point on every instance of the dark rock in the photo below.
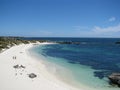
(115, 78)
(69, 42)
(32, 75)
(18, 66)
(117, 42)
(22, 66)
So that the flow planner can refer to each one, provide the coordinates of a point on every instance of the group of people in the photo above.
(14, 57)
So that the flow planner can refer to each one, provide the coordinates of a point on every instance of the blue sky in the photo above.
(60, 18)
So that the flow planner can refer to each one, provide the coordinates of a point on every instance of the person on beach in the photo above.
(14, 57)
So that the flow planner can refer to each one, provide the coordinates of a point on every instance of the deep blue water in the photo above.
(103, 58)
(101, 54)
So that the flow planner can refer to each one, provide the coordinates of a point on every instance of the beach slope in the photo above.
(19, 71)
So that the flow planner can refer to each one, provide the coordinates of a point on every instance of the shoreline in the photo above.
(55, 78)
(12, 79)
(55, 74)
(58, 79)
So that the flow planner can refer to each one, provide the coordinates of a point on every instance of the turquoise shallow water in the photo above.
(61, 61)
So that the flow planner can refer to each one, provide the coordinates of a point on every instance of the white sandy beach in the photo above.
(18, 79)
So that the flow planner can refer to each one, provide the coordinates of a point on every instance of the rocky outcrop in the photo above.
(115, 78)
(32, 75)
(18, 66)
(69, 42)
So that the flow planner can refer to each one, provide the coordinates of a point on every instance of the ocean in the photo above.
(88, 64)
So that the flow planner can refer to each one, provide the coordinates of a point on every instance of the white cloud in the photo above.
(97, 31)
(112, 19)
(111, 29)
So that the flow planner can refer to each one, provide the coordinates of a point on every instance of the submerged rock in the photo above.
(32, 75)
(115, 78)
(69, 42)
(117, 42)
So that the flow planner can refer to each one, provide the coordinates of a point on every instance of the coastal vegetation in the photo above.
(7, 42)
